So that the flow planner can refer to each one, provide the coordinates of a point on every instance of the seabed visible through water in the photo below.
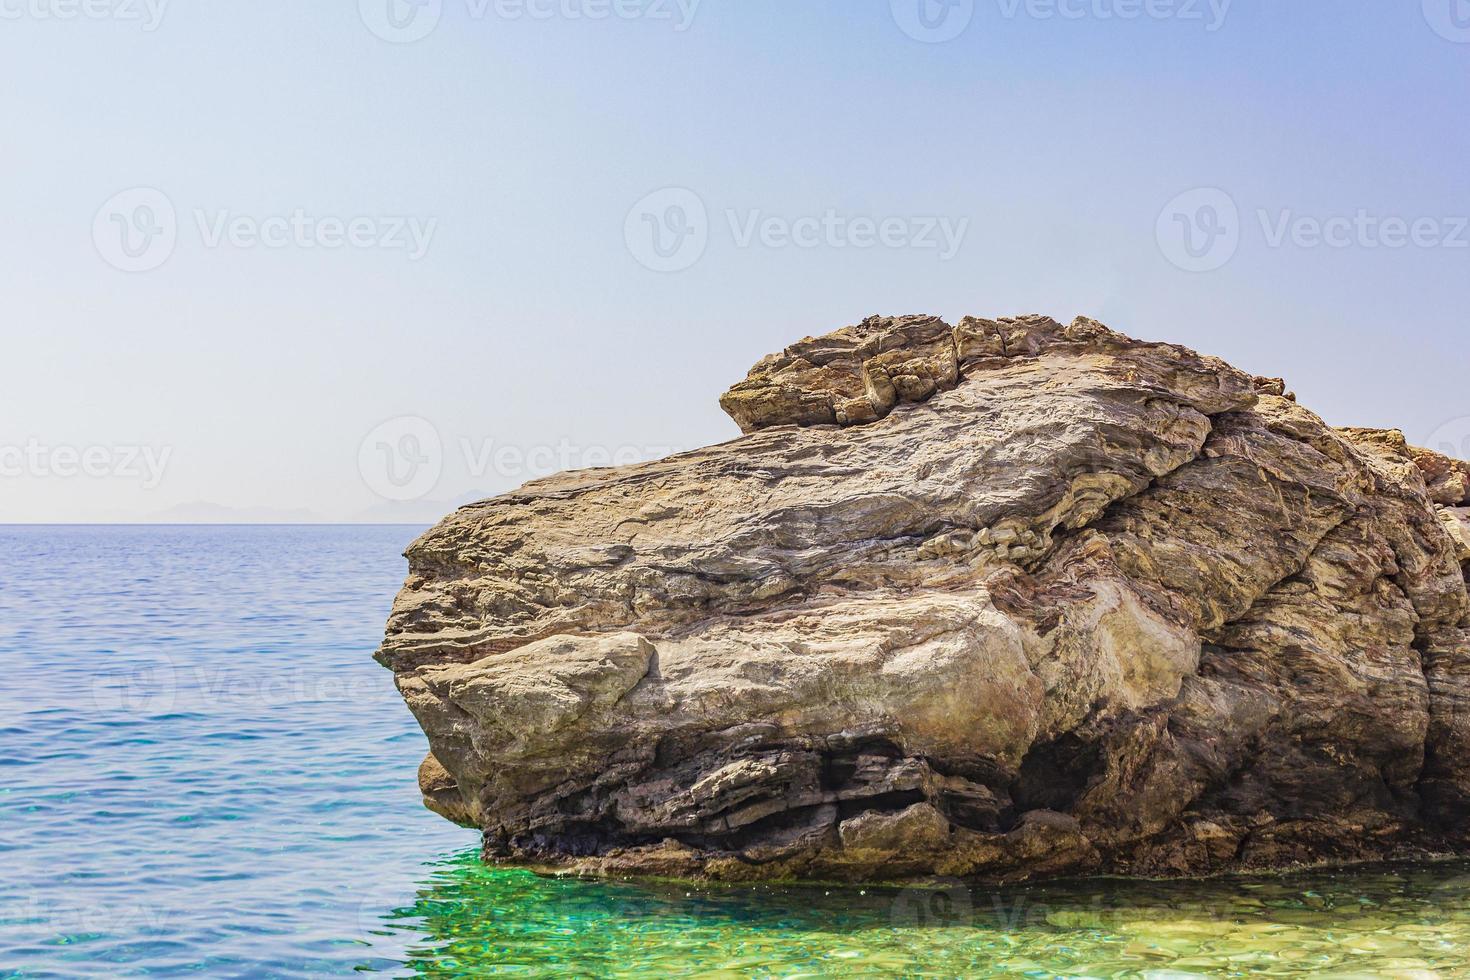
(1388, 921)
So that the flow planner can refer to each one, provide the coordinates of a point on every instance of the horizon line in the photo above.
(214, 523)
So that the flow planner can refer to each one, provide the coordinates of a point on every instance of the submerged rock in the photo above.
(1005, 599)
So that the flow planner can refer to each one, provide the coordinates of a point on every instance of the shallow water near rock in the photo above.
(1402, 922)
(203, 772)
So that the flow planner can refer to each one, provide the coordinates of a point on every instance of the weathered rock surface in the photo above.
(1005, 599)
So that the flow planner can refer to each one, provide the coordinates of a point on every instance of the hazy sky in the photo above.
(387, 254)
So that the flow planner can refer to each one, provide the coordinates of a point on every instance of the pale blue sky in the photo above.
(250, 376)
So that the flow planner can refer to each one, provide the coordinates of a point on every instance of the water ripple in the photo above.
(206, 774)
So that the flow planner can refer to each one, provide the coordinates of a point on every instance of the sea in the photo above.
(203, 773)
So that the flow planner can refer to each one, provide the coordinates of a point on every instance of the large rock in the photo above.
(1004, 599)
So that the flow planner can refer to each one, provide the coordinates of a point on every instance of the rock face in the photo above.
(1002, 600)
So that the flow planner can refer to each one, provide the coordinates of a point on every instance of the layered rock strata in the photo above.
(1004, 599)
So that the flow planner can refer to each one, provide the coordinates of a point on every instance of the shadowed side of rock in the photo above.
(1005, 599)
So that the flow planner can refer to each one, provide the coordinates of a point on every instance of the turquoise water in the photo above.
(203, 772)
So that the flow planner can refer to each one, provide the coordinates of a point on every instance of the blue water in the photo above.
(201, 767)
(203, 773)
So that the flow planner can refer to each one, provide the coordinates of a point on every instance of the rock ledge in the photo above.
(1006, 599)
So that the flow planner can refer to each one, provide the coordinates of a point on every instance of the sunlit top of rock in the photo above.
(859, 374)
